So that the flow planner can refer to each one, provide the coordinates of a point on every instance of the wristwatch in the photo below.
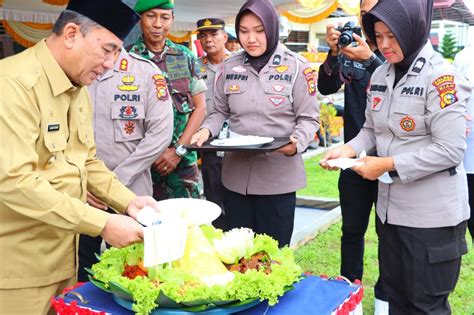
(368, 62)
(180, 149)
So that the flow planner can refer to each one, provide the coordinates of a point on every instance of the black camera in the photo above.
(347, 32)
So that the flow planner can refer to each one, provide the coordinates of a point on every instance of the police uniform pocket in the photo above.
(408, 119)
(444, 264)
(86, 135)
(55, 141)
(128, 121)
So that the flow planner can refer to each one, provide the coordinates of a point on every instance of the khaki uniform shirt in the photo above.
(46, 166)
(279, 101)
(133, 120)
(420, 123)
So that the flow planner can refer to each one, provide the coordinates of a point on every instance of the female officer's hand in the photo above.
(200, 137)
(344, 151)
(374, 167)
(289, 149)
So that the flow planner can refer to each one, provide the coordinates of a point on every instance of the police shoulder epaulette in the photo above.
(135, 56)
(297, 56)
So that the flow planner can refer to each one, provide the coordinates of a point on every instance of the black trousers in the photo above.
(88, 248)
(357, 196)
(420, 266)
(470, 223)
(211, 170)
(269, 214)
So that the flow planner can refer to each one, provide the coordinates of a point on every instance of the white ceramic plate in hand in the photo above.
(242, 141)
(193, 211)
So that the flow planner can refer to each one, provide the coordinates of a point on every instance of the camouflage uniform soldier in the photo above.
(175, 172)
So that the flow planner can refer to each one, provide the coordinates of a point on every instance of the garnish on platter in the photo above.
(218, 269)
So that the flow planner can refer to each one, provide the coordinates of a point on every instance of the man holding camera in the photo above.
(351, 61)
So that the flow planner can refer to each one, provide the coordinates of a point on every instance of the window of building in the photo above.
(297, 41)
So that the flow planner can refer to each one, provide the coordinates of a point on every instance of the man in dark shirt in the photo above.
(353, 66)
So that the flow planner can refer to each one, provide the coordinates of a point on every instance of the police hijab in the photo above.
(267, 13)
(410, 23)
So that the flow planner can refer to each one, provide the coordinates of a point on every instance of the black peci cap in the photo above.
(114, 15)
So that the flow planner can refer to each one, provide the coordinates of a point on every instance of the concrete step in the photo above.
(313, 216)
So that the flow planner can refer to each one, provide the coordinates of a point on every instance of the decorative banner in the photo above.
(56, 2)
(313, 11)
(309, 16)
(27, 34)
(181, 36)
(351, 7)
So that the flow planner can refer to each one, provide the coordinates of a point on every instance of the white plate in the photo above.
(242, 141)
(193, 211)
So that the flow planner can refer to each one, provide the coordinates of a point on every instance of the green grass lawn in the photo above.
(322, 255)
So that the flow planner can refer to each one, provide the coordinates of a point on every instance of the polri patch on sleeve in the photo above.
(53, 127)
(446, 90)
(161, 87)
(309, 76)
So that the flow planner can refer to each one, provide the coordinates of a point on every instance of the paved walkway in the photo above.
(313, 215)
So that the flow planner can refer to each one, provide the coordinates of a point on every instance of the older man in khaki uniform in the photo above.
(133, 124)
(48, 158)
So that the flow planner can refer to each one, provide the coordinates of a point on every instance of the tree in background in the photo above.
(330, 125)
(448, 46)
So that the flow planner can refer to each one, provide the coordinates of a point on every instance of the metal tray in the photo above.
(268, 147)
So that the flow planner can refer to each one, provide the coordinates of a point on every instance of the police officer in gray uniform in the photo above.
(133, 125)
(133, 120)
(415, 121)
(267, 90)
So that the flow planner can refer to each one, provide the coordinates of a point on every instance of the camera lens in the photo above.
(345, 39)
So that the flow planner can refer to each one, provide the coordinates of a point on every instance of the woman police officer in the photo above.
(415, 121)
(266, 90)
